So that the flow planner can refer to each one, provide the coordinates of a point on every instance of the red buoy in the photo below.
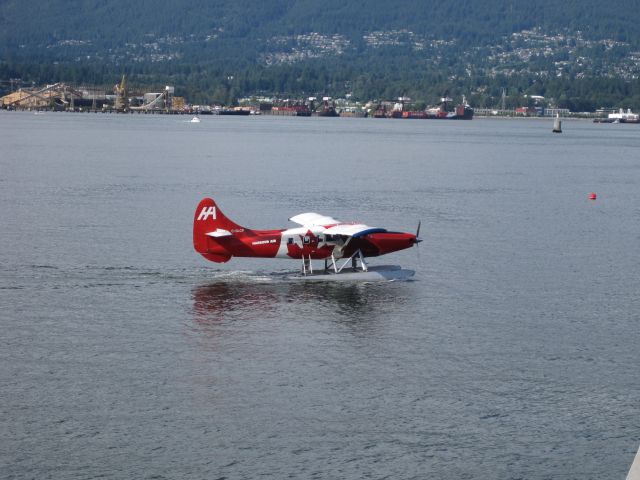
(592, 196)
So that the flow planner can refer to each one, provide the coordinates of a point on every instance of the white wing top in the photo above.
(333, 226)
(312, 219)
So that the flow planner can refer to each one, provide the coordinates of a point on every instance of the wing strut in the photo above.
(354, 262)
(307, 267)
(333, 262)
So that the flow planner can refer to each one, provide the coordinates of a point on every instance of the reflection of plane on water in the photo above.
(318, 237)
(224, 296)
(248, 298)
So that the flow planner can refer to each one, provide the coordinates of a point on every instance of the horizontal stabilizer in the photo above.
(219, 232)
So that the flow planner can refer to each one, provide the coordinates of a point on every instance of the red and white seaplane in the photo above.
(318, 237)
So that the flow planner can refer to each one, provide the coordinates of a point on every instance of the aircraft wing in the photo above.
(352, 230)
(333, 226)
(312, 219)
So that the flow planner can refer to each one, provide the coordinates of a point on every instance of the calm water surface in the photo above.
(512, 354)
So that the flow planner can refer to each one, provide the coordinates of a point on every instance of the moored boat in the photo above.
(328, 109)
(235, 111)
(620, 117)
(292, 110)
(398, 109)
(380, 112)
(417, 114)
(624, 117)
(444, 111)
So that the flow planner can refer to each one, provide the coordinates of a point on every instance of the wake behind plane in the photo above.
(317, 237)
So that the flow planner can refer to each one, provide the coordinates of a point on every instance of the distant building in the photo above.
(552, 112)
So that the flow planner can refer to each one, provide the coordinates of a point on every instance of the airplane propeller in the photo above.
(418, 240)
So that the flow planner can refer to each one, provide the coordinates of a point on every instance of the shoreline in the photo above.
(586, 116)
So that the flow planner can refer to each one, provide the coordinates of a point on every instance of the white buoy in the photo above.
(557, 124)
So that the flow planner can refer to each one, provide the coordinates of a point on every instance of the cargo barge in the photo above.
(295, 110)
(444, 111)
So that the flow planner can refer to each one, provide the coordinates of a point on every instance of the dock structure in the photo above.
(57, 96)
(63, 97)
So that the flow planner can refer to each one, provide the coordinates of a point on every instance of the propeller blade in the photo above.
(418, 239)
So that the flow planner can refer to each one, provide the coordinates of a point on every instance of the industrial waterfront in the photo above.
(122, 99)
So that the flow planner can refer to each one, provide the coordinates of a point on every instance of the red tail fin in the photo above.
(210, 228)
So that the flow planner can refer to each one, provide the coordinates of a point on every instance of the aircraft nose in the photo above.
(413, 240)
(391, 242)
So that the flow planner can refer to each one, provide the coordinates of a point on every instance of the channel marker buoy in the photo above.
(592, 196)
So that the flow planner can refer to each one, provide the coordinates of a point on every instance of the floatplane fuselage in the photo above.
(317, 237)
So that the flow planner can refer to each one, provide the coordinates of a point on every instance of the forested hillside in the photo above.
(584, 53)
